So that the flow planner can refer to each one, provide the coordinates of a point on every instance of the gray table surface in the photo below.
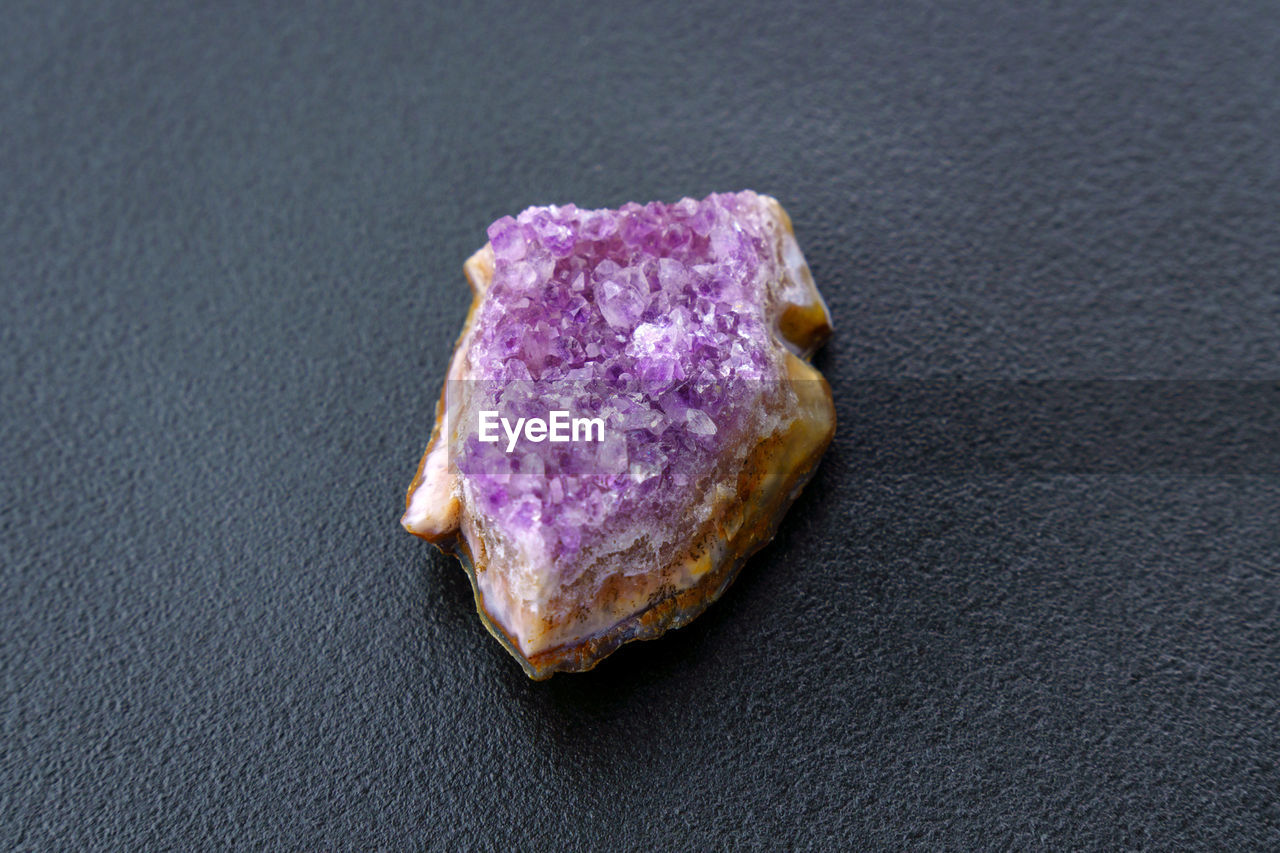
(230, 248)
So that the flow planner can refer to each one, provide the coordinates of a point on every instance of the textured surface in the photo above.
(662, 352)
(231, 242)
(673, 328)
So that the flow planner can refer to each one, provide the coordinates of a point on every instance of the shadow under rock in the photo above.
(684, 653)
(636, 673)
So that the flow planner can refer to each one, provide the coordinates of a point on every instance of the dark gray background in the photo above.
(231, 240)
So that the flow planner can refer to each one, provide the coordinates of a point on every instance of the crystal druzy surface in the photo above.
(648, 316)
(682, 327)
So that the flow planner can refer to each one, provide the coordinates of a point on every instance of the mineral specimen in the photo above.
(628, 413)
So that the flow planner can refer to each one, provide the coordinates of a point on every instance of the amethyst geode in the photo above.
(681, 333)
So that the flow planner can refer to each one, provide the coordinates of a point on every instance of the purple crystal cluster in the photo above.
(650, 317)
